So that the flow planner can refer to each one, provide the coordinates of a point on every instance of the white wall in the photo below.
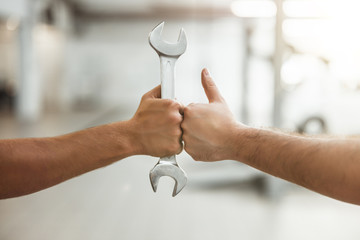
(13, 8)
(112, 63)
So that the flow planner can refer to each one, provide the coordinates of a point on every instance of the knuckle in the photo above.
(168, 103)
(172, 118)
(184, 125)
(191, 108)
(174, 147)
(176, 105)
(146, 103)
(145, 96)
(187, 110)
(175, 118)
(185, 137)
(178, 132)
(175, 134)
(179, 118)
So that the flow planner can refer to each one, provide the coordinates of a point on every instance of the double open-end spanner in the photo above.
(168, 53)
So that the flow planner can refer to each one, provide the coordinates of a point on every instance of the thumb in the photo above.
(153, 93)
(210, 88)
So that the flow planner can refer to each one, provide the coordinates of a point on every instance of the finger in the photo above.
(210, 88)
(153, 93)
(181, 107)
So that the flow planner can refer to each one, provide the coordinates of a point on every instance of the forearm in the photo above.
(328, 166)
(29, 165)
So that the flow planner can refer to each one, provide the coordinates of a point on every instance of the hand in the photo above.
(209, 130)
(156, 125)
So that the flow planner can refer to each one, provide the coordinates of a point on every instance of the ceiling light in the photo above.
(254, 8)
(307, 9)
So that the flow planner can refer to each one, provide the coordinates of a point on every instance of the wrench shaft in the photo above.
(171, 160)
(167, 77)
(168, 54)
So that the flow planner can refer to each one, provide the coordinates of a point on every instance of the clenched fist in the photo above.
(156, 125)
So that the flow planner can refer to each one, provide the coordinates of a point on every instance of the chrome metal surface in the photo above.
(168, 53)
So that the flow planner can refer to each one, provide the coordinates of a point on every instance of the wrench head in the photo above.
(165, 48)
(170, 170)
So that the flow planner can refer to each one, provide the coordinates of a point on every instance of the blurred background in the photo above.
(66, 65)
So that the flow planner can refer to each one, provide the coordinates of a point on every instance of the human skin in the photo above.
(327, 165)
(32, 164)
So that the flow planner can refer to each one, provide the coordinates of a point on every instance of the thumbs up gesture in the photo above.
(210, 130)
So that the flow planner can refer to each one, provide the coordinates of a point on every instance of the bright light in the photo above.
(254, 8)
(12, 23)
(307, 9)
(316, 36)
(346, 10)
(341, 9)
(334, 35)
(300, 68)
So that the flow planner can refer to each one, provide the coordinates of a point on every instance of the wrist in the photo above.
(127, 138)
(245, 140)
(111, 142)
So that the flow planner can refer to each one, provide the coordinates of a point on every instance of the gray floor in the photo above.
(117, 202)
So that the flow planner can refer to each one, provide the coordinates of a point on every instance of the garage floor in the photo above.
(221, 200)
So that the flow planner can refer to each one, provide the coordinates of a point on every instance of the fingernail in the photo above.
(207, 74)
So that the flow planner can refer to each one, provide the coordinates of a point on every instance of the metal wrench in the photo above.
(168, 53)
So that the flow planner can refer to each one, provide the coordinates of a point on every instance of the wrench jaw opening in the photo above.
(165, 48)
(182, 38)
(169, 170)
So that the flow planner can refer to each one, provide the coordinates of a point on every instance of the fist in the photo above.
(156, 125)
